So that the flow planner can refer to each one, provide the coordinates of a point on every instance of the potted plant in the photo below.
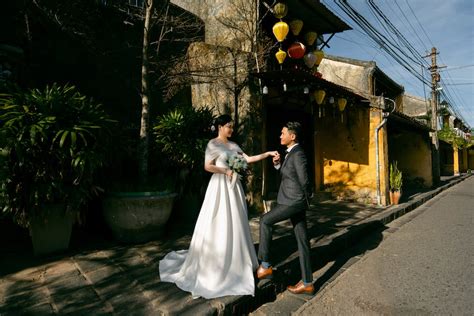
(396, 182)
(138, 211)
(54, 143)
(182, 135)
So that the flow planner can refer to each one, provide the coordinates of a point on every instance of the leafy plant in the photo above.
(396, 180)
(182, 135)
(449, 135)
(54, 145)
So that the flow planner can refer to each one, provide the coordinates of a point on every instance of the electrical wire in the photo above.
(405, 54)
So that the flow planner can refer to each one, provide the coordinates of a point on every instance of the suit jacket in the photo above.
(294, 186)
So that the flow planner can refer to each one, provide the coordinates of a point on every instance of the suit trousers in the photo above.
(297, 215)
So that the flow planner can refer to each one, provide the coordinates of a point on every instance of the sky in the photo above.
(446, 25)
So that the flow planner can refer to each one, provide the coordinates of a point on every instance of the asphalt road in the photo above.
(423, 266)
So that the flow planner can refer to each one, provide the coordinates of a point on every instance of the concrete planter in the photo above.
(136, 217)
(51, 233)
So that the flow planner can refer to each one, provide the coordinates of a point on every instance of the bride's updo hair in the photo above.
(221, 121)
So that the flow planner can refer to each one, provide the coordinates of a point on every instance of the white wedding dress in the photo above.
(221, 258)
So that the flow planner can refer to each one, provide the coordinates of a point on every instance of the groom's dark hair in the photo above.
(294, 128)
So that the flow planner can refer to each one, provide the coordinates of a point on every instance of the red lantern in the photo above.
(296, 50)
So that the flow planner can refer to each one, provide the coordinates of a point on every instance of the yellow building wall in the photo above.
(345, 164)
(413, 154)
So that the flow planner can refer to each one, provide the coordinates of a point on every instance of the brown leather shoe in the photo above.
(300, 288)
(263, 273)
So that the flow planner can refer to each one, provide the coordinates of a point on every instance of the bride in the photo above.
(221, 258)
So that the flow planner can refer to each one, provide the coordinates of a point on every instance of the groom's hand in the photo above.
(276, 159)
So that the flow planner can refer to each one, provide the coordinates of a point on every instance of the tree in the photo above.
(161, 22)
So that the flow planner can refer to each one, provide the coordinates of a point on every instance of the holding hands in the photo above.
(272, 153)
(276, 158)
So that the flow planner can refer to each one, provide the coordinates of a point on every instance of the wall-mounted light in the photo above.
(341, 102)
(284, 86)
(306, 90)
(319, 96)
(265, 90)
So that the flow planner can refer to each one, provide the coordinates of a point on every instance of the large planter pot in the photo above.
(52, 232)
(135, 217)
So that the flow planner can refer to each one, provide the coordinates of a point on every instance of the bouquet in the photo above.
(238, 165)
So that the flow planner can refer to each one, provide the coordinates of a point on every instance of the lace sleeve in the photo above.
(212, 151)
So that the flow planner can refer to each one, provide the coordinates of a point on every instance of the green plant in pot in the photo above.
(182, 135)
(54, 143)
(396, 182)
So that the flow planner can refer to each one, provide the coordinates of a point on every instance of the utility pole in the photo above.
(435, 77)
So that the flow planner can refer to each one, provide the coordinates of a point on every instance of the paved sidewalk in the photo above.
(123, 279)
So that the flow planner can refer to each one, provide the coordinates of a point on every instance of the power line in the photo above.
(458, 67)
(396, 53)
(459, 84)
(405, 54)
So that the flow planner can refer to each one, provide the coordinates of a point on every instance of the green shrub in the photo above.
(54, 142)
(182, 135)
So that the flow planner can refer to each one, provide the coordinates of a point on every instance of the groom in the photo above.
(292, 202)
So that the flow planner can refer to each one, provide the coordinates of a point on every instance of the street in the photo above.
(424, 265)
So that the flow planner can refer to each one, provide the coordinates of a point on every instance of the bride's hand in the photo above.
(273, 153)
(229, 173)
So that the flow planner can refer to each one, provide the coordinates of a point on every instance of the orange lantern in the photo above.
(296, 50)
(280, 10)
(280, 56)
(280, 30)
(341, 103)
(309, 59)
(296, 26)
(319, 56)
(319, 96)
(310, 37)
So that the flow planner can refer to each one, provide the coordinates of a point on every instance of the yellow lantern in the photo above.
(319, 96)
(280, 56)
(310, 37)
(280, 30)
(319, 56)
(296, 26)
(280, 10)
(341, 102)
